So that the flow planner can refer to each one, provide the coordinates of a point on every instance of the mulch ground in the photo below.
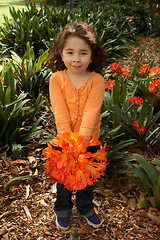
(26, 206)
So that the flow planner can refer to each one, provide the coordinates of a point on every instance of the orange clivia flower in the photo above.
(154, 86)
(125, 72)
(154, 71)
(136, 124)
(157, 14)
(115, 67)
(143, 69)
(136, 100)
(74, 166)
(109, 84)
(158, 94)
(1, 79)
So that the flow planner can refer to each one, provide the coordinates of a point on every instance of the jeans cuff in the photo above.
(89, 214)
(63, 213)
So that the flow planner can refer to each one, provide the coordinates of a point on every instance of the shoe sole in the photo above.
(92, 224)
(60, 227)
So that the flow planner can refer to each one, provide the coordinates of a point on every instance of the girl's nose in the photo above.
(76, 58)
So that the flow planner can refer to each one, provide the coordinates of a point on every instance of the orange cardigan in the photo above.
(77, 108)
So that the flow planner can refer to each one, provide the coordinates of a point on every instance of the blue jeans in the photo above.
(84, 197)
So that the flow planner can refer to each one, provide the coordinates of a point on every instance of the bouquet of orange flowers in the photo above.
(74, 166)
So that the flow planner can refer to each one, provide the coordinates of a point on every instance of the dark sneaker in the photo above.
(94, 220)
(62, 222)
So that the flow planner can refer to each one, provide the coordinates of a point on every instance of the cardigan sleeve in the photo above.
(93, 107)
(59, 106)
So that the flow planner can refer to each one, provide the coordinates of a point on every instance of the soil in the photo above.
(26, 206)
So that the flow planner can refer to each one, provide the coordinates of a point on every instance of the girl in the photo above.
(76, 95)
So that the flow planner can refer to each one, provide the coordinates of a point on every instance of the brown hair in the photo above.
(84, 31)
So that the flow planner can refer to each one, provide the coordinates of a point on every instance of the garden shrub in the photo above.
(124, 107)
(39, 26)
(16, 114)
(117, 24)
(147, 177)
(31, 74)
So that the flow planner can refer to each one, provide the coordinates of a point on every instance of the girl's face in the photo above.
(76, 55)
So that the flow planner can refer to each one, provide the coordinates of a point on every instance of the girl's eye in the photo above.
(69, 52)
(84, 53)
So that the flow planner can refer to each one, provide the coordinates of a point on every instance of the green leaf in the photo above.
(157, 161)
(16, 149)
(16, 58)
(123, 95)
(116, 92)
(158, 183)
(34, 130)
(18, 178)
(108, 99)
(2, 99)
(7, 95)
(29, 70)
(144, 204)
(152, 137)
(11, 83)
(148, 168)
(156, 194)
(134, 70)
(41, 60)
(19, 99)
(150, 123)
(137, 182)
(124, 144)
(139, 172)
(105, 114)
(147, 189)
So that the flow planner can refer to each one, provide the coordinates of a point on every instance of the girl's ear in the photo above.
(61, 55)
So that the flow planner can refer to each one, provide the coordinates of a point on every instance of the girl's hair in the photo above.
(84, 31)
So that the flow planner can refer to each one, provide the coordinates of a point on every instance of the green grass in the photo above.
(4, 7)
(17, 4)
(4, 10)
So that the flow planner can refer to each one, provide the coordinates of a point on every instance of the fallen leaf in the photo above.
(141, 197)
(135, 150)
(151, 199)
(47, 232)
(96, 203)
(109, 192)
(124, 198)
(2, 230)
(142, 213)
(18, 161)
(43, 202)
(132, 203)
(14, 172)
(32, 161)
(154, 218)
(27, 191)
(6, 160)
(27, 212)
(5, 214)
(36, 172)
(6, 237)
(100, 192)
